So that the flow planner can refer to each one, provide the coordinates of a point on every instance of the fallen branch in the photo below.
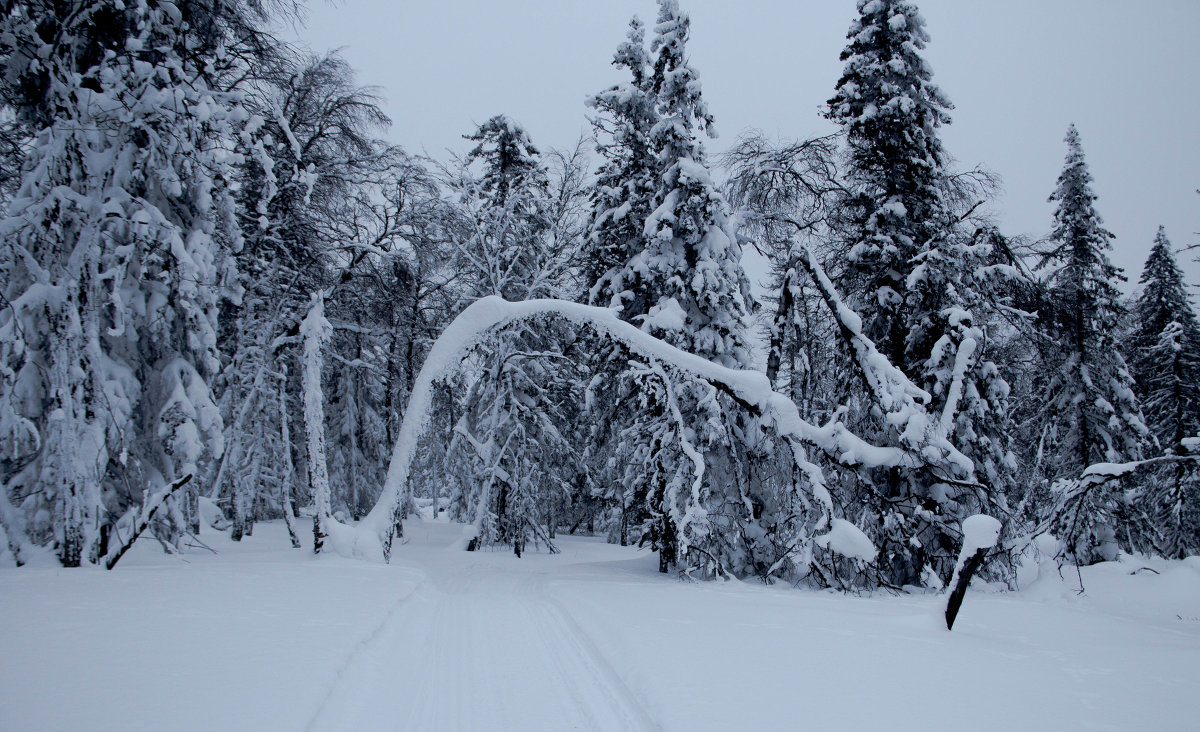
(1070, 494)
(149, 511)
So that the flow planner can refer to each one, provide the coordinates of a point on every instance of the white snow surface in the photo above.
(264, 637)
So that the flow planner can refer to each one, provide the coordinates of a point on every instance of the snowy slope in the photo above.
(261, 637)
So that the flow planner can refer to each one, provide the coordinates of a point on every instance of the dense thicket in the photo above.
(220, 284)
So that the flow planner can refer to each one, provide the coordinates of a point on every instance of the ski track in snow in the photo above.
(478, 646)
(365, 647)
(272, 638)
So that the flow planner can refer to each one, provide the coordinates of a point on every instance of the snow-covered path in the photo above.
(479, 644)
(263, 637)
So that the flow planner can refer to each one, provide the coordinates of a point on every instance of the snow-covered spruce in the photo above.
(622, 194)
(1090, 412)
(678, 276)
(921, 282)
(1164, 354)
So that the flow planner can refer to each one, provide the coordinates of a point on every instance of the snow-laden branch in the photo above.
(1068, 494)
(144, 516)
(373, 536)
(902, 402)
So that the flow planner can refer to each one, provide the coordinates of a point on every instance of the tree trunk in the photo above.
(960, 587)
(316, 330)
(287, 500)
(667, 549)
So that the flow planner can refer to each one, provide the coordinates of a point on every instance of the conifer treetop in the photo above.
(886, 98)
(676, 83)
(511, 161)
(1075, 216)
(632, 53)
(1164, 293)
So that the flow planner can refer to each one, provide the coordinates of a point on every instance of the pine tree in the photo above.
(1165, 358)
(1091, 413)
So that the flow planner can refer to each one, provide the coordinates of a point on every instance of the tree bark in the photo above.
(960, 587)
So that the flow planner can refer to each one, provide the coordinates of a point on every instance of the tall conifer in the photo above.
(1165, 357)
(1090, 413)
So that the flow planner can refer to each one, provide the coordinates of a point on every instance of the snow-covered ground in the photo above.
(263, 637)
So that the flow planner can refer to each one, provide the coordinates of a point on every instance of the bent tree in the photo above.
(808, 544)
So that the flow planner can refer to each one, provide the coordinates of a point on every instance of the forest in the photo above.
(228, 300)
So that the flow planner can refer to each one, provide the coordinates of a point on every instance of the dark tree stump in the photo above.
(960, 587)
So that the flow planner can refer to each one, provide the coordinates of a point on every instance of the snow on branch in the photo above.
(902, 402)
(144, 518)
(373, 536)
(1068, 495)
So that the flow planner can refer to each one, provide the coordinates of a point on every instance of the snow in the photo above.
(848, 540)
(979, 532)
(1111, 470)
(666, 315)
(261, 636)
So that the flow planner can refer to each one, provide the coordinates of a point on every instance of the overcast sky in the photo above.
(1018, 71)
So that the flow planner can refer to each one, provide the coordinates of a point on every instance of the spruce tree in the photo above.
(682, 448)
(624, 186)
(890, 111)
(918, 278)
(686, 285)
(1165, 357)
(621, 199)
(1090, 411)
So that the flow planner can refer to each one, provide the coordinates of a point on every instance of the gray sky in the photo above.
(1018, 71)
